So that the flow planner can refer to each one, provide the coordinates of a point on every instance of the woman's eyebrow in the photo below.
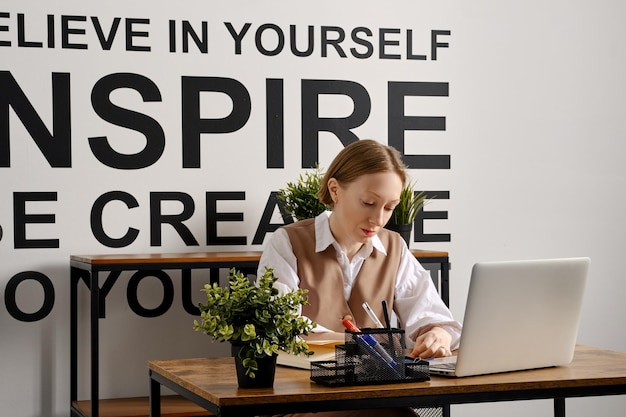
(375, 194)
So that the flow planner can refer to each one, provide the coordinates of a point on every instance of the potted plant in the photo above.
(299, 198)
(257, 321)
(404, 213)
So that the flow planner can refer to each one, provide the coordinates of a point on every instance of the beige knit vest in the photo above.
(321, 275)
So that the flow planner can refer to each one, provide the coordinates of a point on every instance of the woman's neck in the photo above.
(348, 247)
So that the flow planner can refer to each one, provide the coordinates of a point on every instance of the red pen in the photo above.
(347, 323)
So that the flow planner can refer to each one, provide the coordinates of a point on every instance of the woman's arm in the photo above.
(422, 312)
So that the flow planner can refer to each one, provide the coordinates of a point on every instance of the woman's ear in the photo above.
(333, 188)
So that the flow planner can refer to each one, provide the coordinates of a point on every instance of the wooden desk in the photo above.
(593, 372)
(87, 268)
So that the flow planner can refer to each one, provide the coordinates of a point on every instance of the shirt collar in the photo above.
(324, 238)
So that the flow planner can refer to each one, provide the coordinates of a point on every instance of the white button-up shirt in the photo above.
(417, 303)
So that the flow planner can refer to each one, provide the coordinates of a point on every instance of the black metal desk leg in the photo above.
(559, 407)
(155, 398)
(94, 290)
(445, 283)
(74, 278)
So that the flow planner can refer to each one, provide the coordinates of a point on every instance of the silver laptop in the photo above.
(519, 315)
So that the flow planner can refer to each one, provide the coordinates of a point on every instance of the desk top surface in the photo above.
(195, 257)
(591, 367)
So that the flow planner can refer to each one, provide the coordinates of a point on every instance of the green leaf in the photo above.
(255, 316)
(299, 198)
(409, 206)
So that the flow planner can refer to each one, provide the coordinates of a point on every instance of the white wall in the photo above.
(533, 129)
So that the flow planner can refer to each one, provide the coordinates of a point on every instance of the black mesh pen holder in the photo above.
(371, 356)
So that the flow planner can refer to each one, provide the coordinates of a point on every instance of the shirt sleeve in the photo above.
(278, 255)
(418, 304)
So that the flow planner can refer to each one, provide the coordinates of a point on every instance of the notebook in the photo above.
(519, 315)
(323, 348)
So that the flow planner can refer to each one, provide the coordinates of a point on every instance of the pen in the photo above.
(386, 314)
(387, 322)
(371, 344)
(373, 316)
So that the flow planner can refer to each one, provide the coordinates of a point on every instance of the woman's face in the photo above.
(362, 207)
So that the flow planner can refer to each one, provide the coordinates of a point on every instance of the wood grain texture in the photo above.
(171, 406)
(591, 367)
(195, 257)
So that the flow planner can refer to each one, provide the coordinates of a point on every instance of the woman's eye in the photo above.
(367, 203)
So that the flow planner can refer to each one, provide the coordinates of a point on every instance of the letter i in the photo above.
(172, 36)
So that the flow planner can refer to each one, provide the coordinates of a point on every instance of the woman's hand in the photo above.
(434, 342)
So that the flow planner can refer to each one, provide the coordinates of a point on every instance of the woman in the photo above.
(345, 257)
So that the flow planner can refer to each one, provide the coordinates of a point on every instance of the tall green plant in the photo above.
(410, 204)
(300, 197)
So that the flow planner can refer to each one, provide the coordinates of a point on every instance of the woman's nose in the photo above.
(377, 218)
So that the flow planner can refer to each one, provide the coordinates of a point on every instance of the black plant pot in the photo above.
(263, 377)
(403, 229)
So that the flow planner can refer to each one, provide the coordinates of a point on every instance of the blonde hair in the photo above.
(362, 157)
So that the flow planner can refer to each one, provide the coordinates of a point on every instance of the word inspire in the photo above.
(56, 145)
